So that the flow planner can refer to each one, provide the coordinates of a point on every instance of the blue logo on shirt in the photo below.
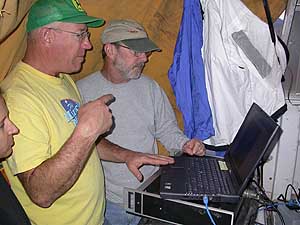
(71, 107)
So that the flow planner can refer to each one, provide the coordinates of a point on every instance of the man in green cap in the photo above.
(55, 170)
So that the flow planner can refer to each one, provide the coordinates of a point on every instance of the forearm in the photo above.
(55, 176)
(134, 160)
(171, 137)
(111, 152)
(167, 131)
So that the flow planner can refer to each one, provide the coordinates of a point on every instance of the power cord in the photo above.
(205, 201)
(293, 204)
(266, 203)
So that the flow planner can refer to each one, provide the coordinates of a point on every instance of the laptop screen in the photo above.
(253, 140)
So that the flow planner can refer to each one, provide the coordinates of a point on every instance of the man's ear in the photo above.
(110, 50)
(47, 35)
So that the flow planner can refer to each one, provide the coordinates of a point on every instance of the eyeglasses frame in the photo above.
(135, 53)
(81, 36)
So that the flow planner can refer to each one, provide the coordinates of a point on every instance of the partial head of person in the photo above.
(58, 34)
(7, 131)
(126, 47)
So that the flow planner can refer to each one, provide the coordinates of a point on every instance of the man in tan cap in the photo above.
(142, 111)
(55, 169)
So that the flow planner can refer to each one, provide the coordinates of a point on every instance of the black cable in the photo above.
(254, 214)
(273, 208)
(266, 202)
(269, 19)
(258, 174)
(286, 190)
(263, 200)
(262, 191)
(262, 175)
(290, 86)
(283, 198)
(280, 215)
(268, 216)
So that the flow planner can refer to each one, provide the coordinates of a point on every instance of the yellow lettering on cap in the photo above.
(77, 5)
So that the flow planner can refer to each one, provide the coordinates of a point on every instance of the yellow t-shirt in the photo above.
(45, 108)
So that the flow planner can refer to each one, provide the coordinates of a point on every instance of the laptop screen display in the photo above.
(254, 137)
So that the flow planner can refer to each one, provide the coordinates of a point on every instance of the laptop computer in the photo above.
(192, 177)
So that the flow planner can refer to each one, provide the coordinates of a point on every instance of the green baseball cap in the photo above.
(44, 12)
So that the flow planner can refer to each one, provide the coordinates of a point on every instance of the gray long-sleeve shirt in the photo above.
(143, 115)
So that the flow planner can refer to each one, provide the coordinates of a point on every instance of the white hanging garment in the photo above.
(242, 66)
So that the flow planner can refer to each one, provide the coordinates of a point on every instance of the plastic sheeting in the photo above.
(161, 19)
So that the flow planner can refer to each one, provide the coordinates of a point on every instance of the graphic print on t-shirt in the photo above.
(71, 107)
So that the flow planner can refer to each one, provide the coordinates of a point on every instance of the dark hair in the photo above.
(103, 52)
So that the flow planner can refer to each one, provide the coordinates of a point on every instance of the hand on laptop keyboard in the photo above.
(194, 147)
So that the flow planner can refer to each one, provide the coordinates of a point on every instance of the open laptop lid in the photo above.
(253, 143)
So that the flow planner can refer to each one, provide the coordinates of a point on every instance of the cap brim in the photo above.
(141, 45)
(90, 21)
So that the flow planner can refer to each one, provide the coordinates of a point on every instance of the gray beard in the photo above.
(132, 73)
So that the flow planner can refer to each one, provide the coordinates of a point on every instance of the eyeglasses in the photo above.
(81, 36)
(136, 54)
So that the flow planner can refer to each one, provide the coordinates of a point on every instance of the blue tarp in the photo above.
(187, 76)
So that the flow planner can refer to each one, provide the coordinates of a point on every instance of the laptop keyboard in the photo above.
(199, 182)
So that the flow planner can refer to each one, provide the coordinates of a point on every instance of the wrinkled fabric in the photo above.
(187, 77)
(233, 81)
(160, 18)
(12, 13)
